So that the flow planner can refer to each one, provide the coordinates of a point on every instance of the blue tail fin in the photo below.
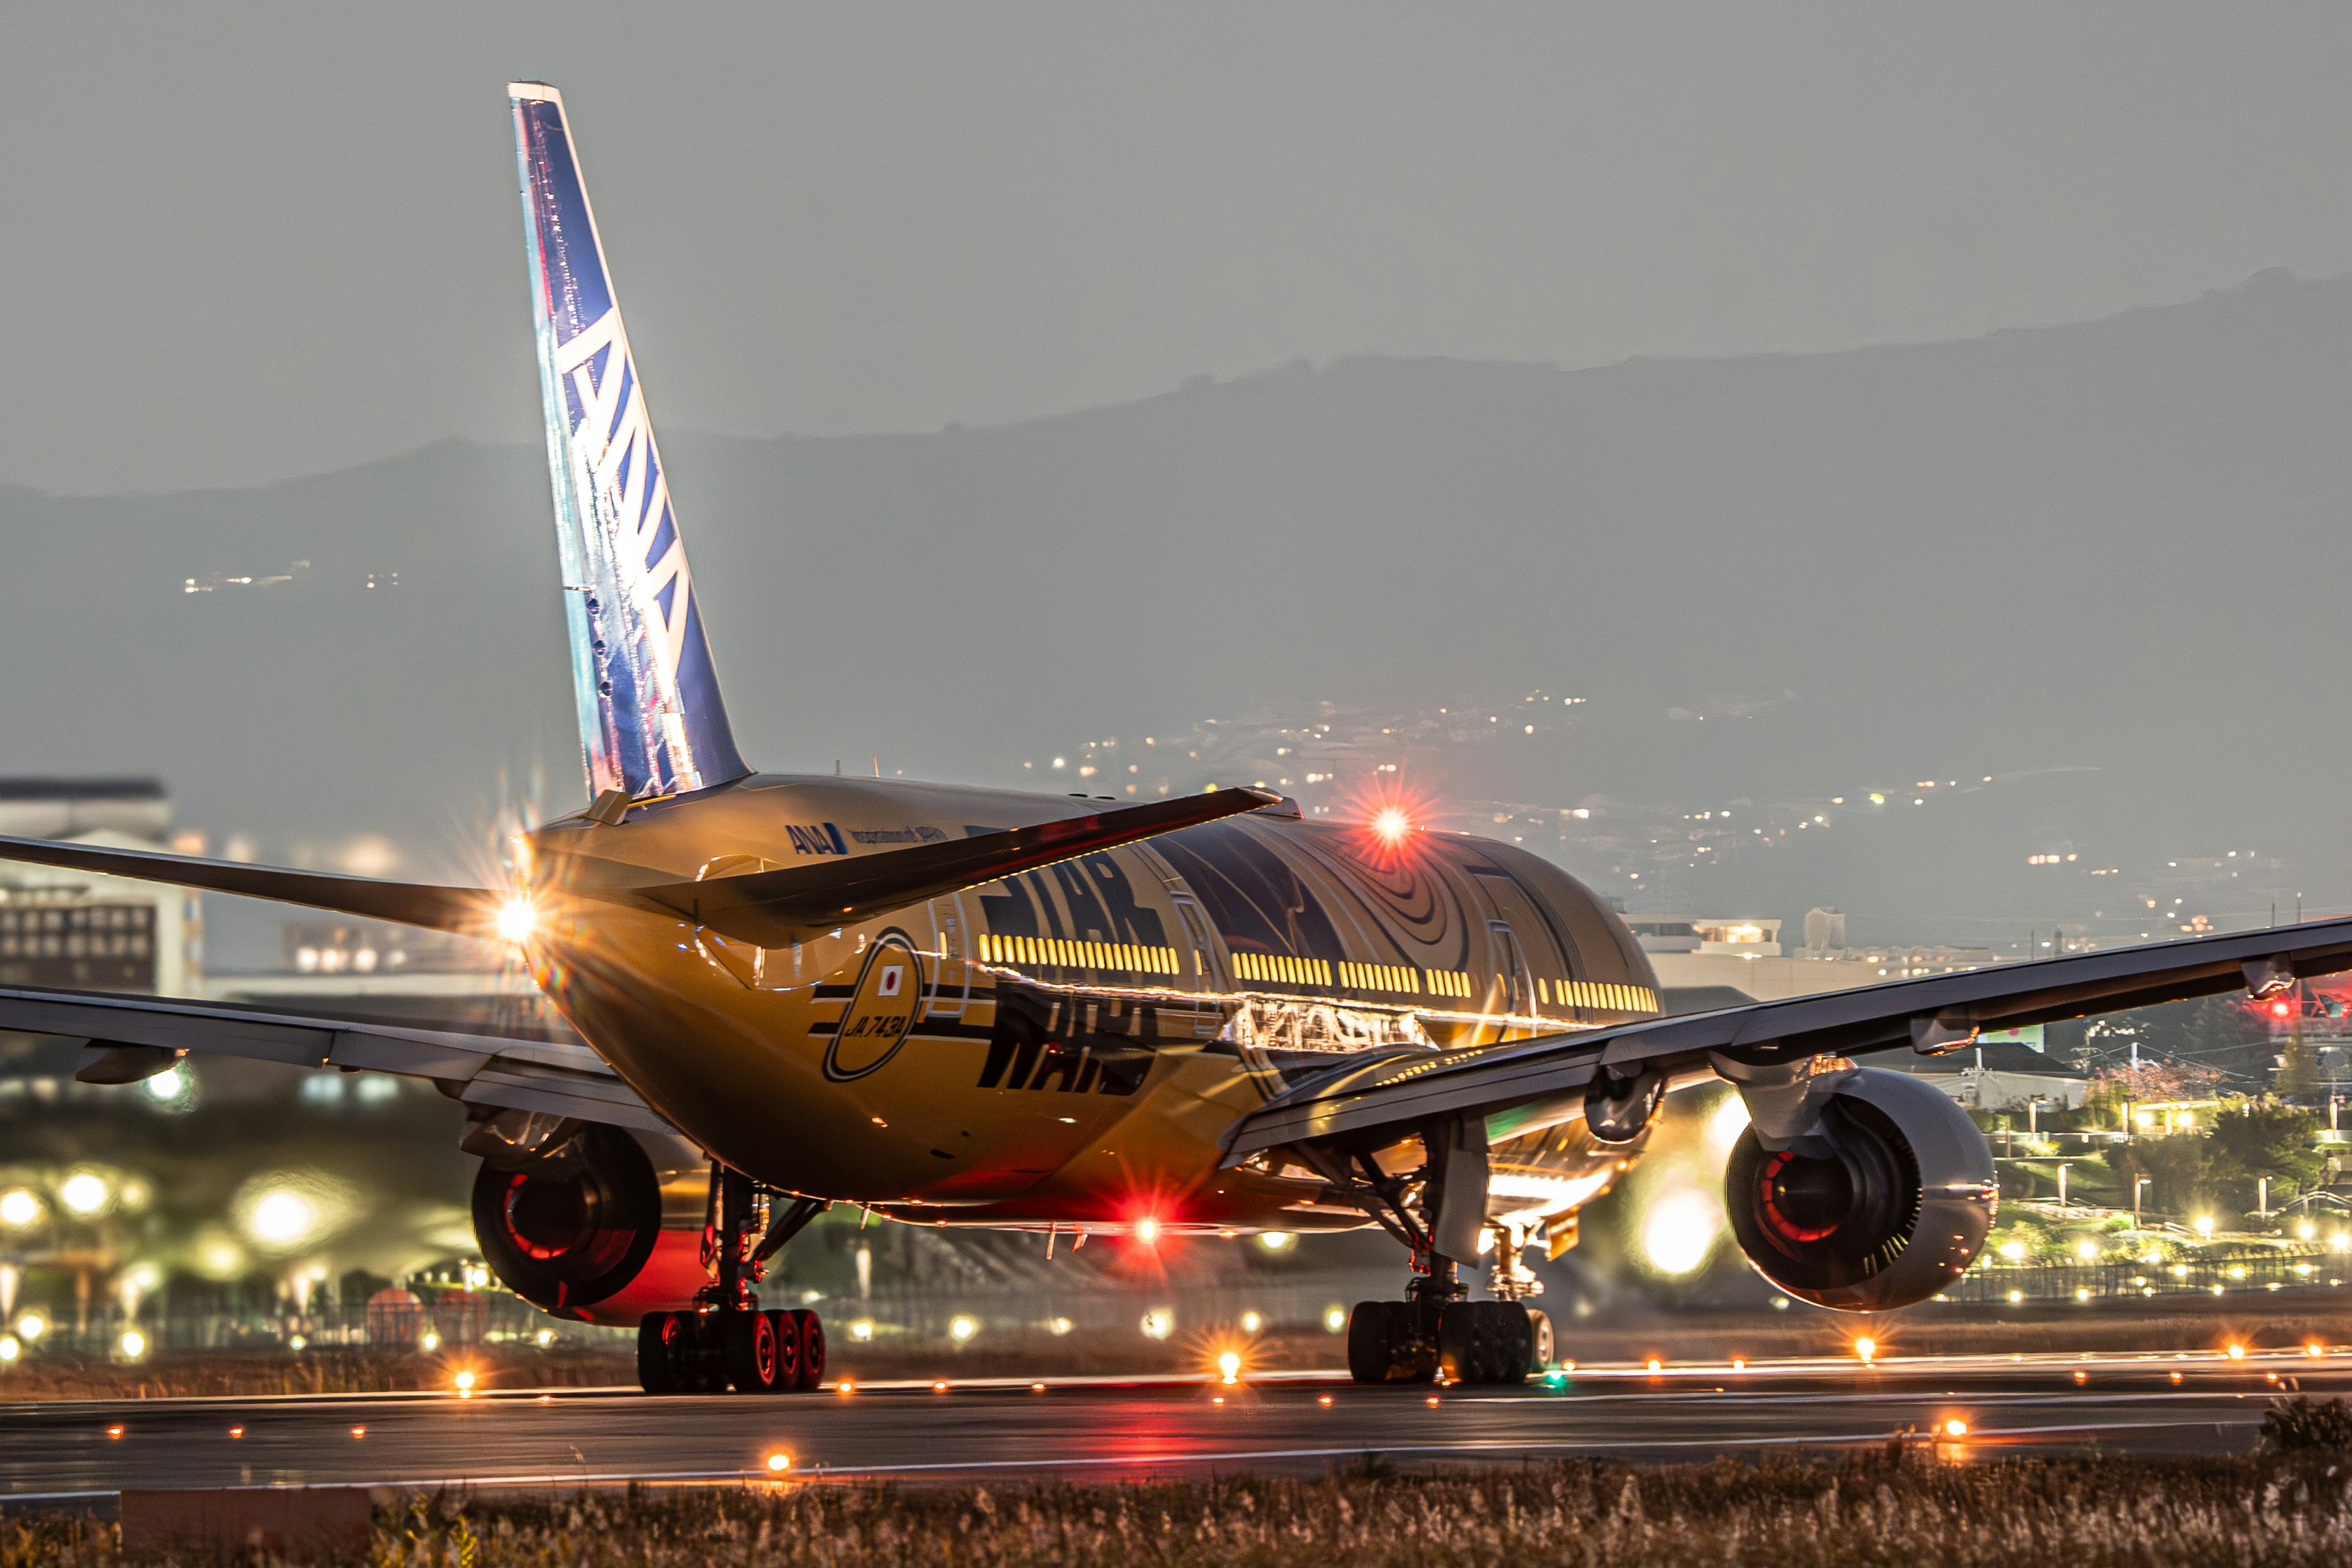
(650, 719)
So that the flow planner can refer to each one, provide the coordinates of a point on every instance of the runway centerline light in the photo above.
(114, 1433)
(939, 1388)
(358, 1432)
(1037, 1388)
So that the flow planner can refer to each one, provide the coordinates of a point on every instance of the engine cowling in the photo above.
(1884, 1203)
(579, 1232)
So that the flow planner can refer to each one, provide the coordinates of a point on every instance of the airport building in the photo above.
(81, 930)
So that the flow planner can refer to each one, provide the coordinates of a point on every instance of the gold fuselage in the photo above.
(1067, 1045)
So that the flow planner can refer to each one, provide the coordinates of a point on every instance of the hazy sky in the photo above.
(249, 241)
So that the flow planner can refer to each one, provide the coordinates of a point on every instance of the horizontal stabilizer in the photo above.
(468, 911)
(773, 908)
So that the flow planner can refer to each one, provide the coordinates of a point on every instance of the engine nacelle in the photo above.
(1883, 1203)
(578, 1231)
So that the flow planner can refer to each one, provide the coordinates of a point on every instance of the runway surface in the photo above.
(1099, 1429)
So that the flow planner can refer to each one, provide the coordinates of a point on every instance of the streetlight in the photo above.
(2136, 1185)
(2062, 1181)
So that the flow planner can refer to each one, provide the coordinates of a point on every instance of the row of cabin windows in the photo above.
(1277, 968)
(1068, 954)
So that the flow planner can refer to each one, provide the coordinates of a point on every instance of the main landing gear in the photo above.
(727, 1340)
(1437, 1334)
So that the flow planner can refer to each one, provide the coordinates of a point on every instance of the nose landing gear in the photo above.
(727, 1339)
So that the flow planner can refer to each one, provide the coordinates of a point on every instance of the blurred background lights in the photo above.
(1159, 1323)
(1229, 1364)
(861, 1330)
(1680, 1230)
(285, 1211)
(166, 1085)
(31, 1327)
(1275, 1240)
(133, 1344)
(961, 1328)
(19, 1208)
(85, 1193)
(1335, 1319)
(1724, 1123)
(11, 1347)
(1252, 1322)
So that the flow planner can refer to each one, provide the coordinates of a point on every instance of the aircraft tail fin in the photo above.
(651, 722)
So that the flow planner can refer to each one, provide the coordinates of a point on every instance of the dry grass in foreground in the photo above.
(1894, 1505)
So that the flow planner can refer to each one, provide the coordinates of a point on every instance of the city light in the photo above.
(1275, 1240)
(281, 1218)
(84, 1193)
(778, 1463)
(431, 1341)
(1335, 1319)
(545, 1337)
(517, 919)
(961, 1328)
(1159, 1323)
(31, 1327)
(861, 1330)
(133, 1344)
(11, 1347)
(1955, 1427)
(2204, 1223)
(1252, 1322)
(19, 1208)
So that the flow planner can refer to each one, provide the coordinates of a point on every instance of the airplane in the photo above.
(1068, 1015)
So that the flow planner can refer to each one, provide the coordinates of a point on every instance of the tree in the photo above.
(2263, 1138)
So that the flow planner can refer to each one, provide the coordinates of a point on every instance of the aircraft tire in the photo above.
(751, 1354)
(1542, 1348)
(1485, 1341)
(807, 1330)
(1382, 1346)
(658, 1358)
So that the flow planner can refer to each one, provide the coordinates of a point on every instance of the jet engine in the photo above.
(580, 1231)
(1885, 1201)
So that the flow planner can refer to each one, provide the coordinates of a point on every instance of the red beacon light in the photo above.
(1390, 826)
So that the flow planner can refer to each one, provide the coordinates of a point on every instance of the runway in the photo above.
(1101, 1429)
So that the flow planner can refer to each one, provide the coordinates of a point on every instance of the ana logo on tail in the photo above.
(651, 722)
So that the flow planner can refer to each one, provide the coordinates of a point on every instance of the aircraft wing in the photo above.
(1528, 1082)
(135, 1036)
(795, 902)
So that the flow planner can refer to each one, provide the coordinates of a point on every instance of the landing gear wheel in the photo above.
(748, 1342)
(1485, 1341)
(1542, 1349)
(1384, 1344)
(658, 1362)
(807, 1330)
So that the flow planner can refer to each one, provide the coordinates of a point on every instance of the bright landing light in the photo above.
(1392, 825)
(1680, 1230)
(517, 919)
